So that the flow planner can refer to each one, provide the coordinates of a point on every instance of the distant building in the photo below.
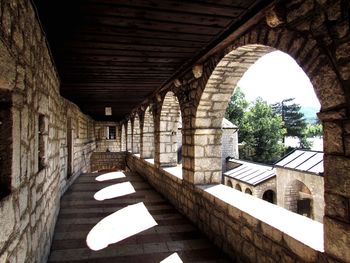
(252, 178)
(295, 182)
(300, 185)
(229, 141)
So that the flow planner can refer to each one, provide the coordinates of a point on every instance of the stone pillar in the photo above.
(206, 163)
(336, 127)
(136, 136)
(129, 137)
(123, 138)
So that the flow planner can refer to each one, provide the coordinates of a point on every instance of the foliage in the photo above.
(293, 118)
(313, 130)
(304, 143)
(236, 107)
(262, 130)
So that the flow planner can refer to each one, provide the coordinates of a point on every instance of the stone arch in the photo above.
(238, 187)
(248, 191)
(212, 107)
(229, 183)
(299, 199)
(270, 196)
(148, 135)
(168, 128)
(136, 135)
(123, 137)
(129, 136)
(226, 69)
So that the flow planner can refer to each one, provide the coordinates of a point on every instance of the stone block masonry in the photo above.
(241, 235)
(35, 150)
(107, 161)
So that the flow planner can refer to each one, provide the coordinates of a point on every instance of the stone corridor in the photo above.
(80, 212)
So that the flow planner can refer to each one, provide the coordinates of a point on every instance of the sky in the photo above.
(277, 76)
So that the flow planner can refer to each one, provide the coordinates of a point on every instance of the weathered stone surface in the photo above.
(337, 179)
(7, 68)
(337, 239)
(338, 207)
(8, 221)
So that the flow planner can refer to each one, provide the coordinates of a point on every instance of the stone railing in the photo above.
(107, 161)
(247, 228)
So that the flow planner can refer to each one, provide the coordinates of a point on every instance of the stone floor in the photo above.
(80, 212)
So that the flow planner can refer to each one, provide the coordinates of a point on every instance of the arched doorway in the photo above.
(269, 196)
(248, 191)
(238, 187)
(299, 199)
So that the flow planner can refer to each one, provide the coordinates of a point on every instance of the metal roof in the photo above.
(303, 160)
(251, 173)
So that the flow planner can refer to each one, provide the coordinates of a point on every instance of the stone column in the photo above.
(336, 128)
(202, 156)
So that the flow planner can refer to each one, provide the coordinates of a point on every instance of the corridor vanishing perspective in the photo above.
(80, 212)
(89, 86)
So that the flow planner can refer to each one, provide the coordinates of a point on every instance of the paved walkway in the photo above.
(80, 212)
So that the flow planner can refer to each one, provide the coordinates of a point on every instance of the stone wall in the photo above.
(35, 170)
(286, 187)
(229, 148)
(257, 190)
(148, 135)
(104, 144)
(108, 161)
(243, 237)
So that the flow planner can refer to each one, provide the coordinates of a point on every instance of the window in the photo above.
(41, 146)
(111, 133)
(5, 144)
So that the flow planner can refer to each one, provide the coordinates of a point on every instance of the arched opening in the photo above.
(248, 191)
(123, 138)
(229, 183)
(212, 107)
(269, 196)
(238, 187)
(299, 199)
(129, 137)
(169, 120)
(148, 135)
(136, 135)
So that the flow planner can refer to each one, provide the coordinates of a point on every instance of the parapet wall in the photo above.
(108, 161)
(237, 229)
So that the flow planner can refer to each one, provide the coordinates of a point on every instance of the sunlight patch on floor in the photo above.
(114, 191)
(110, 176)
(173, 258)
(120, 225)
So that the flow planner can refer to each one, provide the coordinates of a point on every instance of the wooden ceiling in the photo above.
(116, 53)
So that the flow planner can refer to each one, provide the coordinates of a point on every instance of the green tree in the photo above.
(293, 118)
(294, 121)
(236, 107)
(262, 132)
(313, 130)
